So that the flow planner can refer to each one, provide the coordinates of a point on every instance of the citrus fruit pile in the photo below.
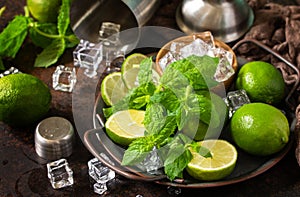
(24, 99)
(257, 128)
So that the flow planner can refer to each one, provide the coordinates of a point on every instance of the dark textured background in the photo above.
(23, 173)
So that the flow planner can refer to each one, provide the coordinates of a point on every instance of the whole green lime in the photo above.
(262, 82)
(259, 129)
(24, 99)
(44, 10)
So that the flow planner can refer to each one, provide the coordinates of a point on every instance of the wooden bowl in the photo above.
(190, 38)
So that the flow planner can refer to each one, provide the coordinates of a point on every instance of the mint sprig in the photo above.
(54, 38)
(176, 103)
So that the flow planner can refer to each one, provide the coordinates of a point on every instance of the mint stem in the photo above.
(35, 27)
(26, 11)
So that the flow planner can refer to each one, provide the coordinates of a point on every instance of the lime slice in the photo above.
(125, 126)
(131, 61)
(130, 77)
(113, 89)
(218, 166)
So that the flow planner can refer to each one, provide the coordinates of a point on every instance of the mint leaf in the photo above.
(207, 67)
(71, 40)
(145, 72)
(167, 130)
(174, 166)
(41, 40)
(50, 54)
(174, 80)
(167, 98)
(155, 118)
(137, 98)
(138, 150)
(13, 36)
(194, 70)
(140, 96)
(203, 151)
(63, 19)
(177, 157)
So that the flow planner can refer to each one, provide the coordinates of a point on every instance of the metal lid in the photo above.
(54, 138)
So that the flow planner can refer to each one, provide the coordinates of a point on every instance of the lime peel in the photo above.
(220, 165)
(125, 126)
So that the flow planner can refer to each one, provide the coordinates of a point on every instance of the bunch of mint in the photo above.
(53, 38)
(176, 102)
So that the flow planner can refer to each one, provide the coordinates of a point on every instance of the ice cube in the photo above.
(152, 163)
(100, 188)
(64, 78)
(88, 55)
(197, 47)
(236, 99)
(59, 174)
(224, 70)
(109, 33)
(99, 172)
(83, 47)
(114, 58)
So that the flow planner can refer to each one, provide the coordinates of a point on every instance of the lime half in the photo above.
(113, 89)
(219, 165)
(125, 126)
(131, 61)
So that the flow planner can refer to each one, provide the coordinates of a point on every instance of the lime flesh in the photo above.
(218, 166)
(125, 126)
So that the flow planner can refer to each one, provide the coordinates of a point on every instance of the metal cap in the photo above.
(54, 138)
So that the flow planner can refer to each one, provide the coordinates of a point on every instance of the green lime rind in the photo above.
(125, 126)
(44, 10)
(113, 88)
(219, 166)
(262, 82)
(24, 99)
(131, 61)
(259, 129)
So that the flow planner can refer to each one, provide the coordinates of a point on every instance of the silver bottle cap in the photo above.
(54, 138)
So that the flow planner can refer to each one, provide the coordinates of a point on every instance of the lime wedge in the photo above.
(219, 165)
(125, 126)
(131, 61)
(113, 88)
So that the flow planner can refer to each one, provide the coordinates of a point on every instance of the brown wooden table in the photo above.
(23, 173)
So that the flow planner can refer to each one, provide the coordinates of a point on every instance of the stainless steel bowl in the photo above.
(228, 20)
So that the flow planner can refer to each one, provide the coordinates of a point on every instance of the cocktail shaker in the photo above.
(228, 20)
